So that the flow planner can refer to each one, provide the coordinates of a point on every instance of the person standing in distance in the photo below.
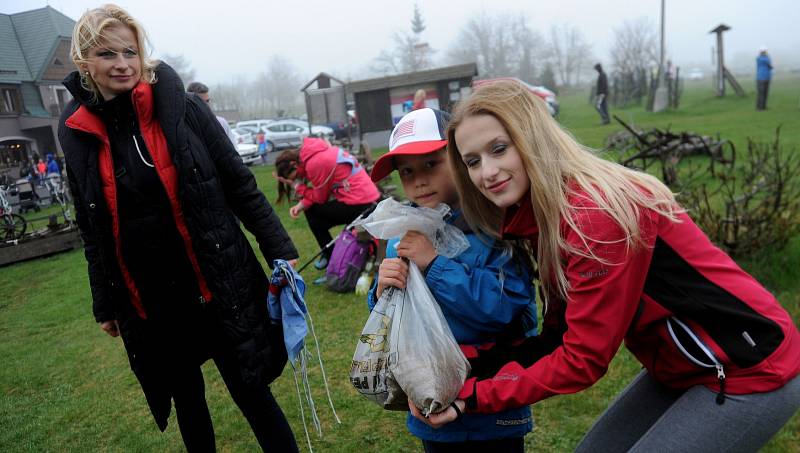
(601, 93)
(763, 77)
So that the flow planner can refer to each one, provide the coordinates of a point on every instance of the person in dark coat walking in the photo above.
(158, 188)
(601, 103)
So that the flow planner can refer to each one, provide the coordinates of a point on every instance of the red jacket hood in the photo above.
(311, 147)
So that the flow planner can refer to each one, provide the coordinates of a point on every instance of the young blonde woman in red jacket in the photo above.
(619, 261)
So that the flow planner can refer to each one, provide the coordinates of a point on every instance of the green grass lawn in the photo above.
(66, 386)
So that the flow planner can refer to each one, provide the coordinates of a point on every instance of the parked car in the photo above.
(243, 135)
(548, 96)
(253, 125)
(339, 129)
(317, 130)
(284, 134)
(696, 74)
(248, 152)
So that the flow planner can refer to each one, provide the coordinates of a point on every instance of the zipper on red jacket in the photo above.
(706, 350)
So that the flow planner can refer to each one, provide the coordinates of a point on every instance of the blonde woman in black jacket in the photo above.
(158, 188)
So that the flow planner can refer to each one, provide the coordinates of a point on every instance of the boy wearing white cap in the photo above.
(485, 293)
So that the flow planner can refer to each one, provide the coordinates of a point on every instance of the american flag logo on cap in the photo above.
(403, 129)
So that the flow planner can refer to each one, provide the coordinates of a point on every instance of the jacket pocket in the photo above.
(694, 349)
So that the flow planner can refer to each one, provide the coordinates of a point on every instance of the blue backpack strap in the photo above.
(343, 157)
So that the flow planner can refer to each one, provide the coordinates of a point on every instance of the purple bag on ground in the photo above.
(346, 262)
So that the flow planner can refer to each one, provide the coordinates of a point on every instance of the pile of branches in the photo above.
(642, 149)
(753, 205)
(743, 204)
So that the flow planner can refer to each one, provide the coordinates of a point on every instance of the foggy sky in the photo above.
(342, 37)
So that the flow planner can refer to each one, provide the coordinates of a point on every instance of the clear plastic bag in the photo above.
(392, 219)
(370, 373)
(430, 366)
(406, 346)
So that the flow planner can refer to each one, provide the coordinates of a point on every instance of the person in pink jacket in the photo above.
(340, 190)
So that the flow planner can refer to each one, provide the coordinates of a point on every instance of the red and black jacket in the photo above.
(684, 308)
(85, 120)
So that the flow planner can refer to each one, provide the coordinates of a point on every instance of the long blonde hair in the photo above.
(90, 32)
(557, 166)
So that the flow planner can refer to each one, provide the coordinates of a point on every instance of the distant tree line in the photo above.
(502, 45)
(275, 91)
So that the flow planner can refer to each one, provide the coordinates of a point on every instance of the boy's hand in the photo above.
(392, 272)
(416, 247)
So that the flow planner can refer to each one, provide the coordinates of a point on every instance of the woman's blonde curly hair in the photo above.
(90, 32)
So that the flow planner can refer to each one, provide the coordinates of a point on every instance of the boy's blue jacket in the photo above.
(484, 295)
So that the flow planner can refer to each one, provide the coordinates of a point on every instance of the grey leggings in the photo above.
(648, 417)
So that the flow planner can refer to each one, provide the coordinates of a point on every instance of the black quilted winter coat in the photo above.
(215, 188)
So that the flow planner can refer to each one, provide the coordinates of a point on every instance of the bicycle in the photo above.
(58, 192)
(13, 225)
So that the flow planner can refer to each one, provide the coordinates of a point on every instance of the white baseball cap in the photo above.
(418, 132)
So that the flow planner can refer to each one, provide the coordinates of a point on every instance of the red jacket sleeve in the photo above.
(601, 302)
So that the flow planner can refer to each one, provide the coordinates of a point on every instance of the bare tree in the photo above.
(528, 48)
(230, 96)
(501, 45)
(410, 52)
(548, 78)
(569, 53)
(281, 86)
(275, 92)
(226, 97)
(181, 65)
(634, 48)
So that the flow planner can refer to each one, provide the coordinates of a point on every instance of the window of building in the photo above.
(10, 100)
(56, 98)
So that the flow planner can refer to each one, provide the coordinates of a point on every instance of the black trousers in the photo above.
(762, 87)
(322, 217)
(510, 445)
(256, 403)
(184, 334)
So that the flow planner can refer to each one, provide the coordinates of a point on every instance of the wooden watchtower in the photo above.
(722, 72)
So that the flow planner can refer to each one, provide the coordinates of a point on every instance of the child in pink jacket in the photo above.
(341, 190)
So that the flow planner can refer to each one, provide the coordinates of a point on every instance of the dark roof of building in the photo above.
(28, 41)
(414, 78)
(321, 75)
